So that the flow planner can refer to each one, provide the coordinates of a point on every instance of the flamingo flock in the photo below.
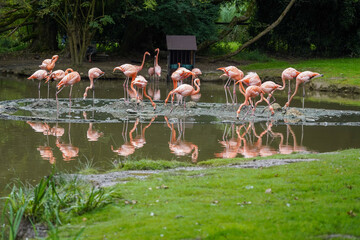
(254, 86)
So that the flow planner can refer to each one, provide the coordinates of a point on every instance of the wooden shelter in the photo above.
(181, 49)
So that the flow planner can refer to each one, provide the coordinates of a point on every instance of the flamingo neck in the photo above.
(196, 83)
(156, 59)
(283, 86)
(142, 64)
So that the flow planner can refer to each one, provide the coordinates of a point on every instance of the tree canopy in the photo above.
(310, 28)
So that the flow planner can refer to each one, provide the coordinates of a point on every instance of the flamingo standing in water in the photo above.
(141, 82)
(94, 73)
(56, 75)
(157, 67)
(252, 92)
(151, 72)
(303, 78)
(49, 64)
(179, 75)
(196, 72)
(270, 87)
(251, 79)
(130, 71)
(69, 80)
(39, 75)
(234, 73)
(184, 90)
(288, 74)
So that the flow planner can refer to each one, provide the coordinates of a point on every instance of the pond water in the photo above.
(31, 149)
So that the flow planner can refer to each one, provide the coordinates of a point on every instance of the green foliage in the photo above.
(49, 201)
(13, 215)
(311, 28)
(8, 45)
(149, 165)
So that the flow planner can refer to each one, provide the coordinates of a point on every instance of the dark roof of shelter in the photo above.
(181, 42)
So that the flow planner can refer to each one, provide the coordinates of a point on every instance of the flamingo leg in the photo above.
(57, 101)
(70, 98)
(247, 112)
(39, 88)
(152, 103)
(225, 89)
(125, 88)
(292, 96)
(303, 100)
(234, 95)
(246, 102)
(48, 90)
(289, 92)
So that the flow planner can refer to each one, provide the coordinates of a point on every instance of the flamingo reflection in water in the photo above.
(46, 151)
(139, 141)
(91, 134)
(252, 148)
(178, 145)
(230, 145)
(69, 152)
(287, 148)
(127, 148)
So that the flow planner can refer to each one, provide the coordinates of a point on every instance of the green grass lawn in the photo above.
(309, 200)
(344, 71)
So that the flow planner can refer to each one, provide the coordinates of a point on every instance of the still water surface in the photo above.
(29, 150)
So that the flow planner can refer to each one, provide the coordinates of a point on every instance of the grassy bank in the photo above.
(318, 199)
(344, 71)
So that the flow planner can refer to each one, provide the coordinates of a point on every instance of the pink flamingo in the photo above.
(196, 72)
(130, 70)
(179, 75)
(94, 73)
(39, 75)
(303, 78)
(49, 64)
(184, 90)
(251, 79)
(157, 66)
(141, 82)
(69, 80)
(288, 74)
(151, 72)
(234, 73)
(252, 92)
(270, 87)
(56, 75)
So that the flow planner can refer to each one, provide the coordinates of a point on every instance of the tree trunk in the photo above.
(45, 35)
(251, 41)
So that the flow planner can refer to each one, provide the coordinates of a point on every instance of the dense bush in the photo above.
(311, 28)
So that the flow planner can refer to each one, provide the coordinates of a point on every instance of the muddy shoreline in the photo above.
(112, 178)
(116, 110)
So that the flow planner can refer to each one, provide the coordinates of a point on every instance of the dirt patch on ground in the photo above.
(110, 179)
